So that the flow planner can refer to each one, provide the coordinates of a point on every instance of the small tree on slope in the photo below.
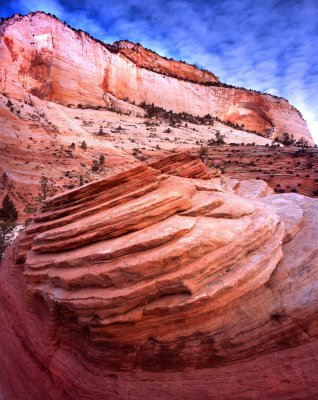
(8, 216)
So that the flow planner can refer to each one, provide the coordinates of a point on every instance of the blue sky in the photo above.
(268, 45)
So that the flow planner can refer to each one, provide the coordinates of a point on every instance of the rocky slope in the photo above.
(148, 284)
(39, 139)
(45, 138)
(46, 67)
(286, 170)
(42, 56)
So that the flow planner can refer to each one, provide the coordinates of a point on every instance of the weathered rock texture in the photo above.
(145, 58)
(39, 137)
(45, 66)
(149, 285)
(42, 56)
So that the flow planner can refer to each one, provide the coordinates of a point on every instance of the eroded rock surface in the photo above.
(59, 88)
(148, 285)
(42, 56)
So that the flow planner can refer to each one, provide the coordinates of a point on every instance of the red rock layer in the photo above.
(42, 56)
(184, 164)
(38, 138)
(145, 58)
(148, 285)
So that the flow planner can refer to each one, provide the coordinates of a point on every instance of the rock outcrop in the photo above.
(40, 138)
(163, 280)
(42, 56)
(184, 164)
(145, 58)
(112, 103)
(148, 284)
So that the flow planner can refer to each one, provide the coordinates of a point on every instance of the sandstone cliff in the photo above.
(145, 58)
(42, 56)
(148, 284)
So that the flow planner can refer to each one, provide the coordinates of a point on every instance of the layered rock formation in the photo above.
(163, 282)
(40, 139)
(46, 66)
(145, 58)
(42, 56)
(166, 280)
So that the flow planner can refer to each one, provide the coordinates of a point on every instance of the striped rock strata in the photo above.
(42, 56)
(151, 285)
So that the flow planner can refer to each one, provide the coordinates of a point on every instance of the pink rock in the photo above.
(199, 304)
(54, 62)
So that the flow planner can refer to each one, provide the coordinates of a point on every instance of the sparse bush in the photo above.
(101, 161)
(288, 139)
(95, 165)
(4, 179)
(202, 151)
(303, 143)
(219, 139)
(8, 212)
(98, 165)
(47, 189)
(175, 118)
(8, 216)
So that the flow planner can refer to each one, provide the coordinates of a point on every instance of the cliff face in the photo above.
(147, 285)
(158, 281)
(145, 58)
(42, 56)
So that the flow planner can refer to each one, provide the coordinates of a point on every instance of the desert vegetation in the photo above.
(8, 217)
(286, 169)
